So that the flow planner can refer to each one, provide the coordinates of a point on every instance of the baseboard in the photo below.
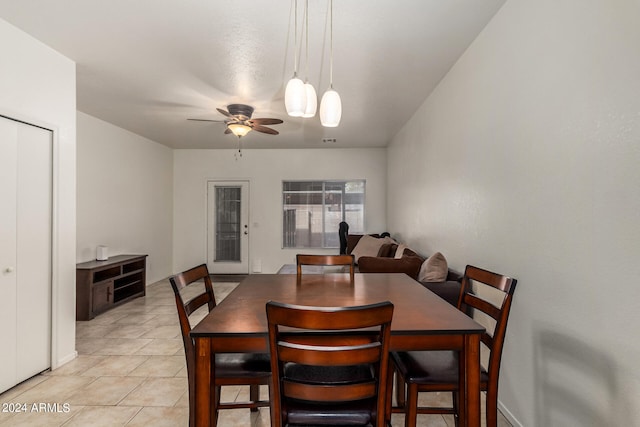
(64, 360)
(508, 415)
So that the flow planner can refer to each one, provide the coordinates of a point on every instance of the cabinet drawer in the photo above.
(102, 298)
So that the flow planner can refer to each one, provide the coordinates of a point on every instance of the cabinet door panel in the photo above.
(102, 298)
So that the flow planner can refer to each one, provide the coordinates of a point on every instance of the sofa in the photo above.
(409, 263)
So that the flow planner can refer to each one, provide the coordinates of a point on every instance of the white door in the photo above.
(228, 227)
(25, 251)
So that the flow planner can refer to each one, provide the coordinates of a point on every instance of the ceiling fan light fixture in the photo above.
(239, 129)
(295, 97)
(330, 109)
(312, 101)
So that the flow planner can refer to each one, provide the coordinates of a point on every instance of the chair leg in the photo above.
(455, 399)
(389, 397)
(216, 404)
(411, 406)
(492, 408)
(254, 396)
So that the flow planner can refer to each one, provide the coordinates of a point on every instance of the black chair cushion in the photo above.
(357, 413)
(330, 414)
(242, 364)
(430, 367)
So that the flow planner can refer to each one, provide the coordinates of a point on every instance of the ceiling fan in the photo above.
(240, 123)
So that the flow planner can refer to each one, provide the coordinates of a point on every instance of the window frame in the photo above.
(324, 183)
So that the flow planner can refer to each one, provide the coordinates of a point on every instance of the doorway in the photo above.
(228, 227)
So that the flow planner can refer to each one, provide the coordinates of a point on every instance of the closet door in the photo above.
(25, 250)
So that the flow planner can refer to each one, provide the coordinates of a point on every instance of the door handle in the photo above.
(8, 270)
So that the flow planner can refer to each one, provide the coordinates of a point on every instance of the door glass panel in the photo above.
(228, 223)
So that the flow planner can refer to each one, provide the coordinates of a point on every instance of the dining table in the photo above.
(421, 321)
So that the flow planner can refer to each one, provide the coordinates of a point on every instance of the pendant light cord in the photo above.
(331, 44)
(306, 28)
(295, 38)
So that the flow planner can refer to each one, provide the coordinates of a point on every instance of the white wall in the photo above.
(266, 169)
(38, 85)
(525, 160)
(125, 195)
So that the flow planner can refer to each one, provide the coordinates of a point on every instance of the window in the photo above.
(312, 211)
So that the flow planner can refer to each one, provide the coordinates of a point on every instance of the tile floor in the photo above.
(130, 371)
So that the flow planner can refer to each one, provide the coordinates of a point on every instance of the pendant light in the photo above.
(295, 94)
(312, 99)
(331, 105)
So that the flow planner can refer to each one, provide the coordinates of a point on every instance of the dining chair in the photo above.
(230, 368)
(345, 260)
(329, 371)
(485, 296)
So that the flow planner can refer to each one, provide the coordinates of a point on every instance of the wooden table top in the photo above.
(418, 311)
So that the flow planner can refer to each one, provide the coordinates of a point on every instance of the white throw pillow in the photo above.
(434, 269)
(369, 246)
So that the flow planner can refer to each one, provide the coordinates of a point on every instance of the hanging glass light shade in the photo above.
(295, 94)
(330, 109)
(330, 105)
(295, 97)
(312, 101)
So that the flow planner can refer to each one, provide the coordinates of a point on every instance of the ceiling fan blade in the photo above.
(206, 120)
(266, 121)
(224, 113)
(265, 129)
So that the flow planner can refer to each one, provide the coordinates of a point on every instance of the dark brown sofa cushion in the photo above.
(409, 265)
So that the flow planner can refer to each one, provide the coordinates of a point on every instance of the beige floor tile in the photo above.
(77, 366)
(8, 395)
(162, 417)
(135, 319)
(156, 392)
(103, 416)
(107, 318)
(121, 346)
(54, 389)
(105, 391)
(92, 330)
(129, 331)
(159, 366)
(161, 347)
(112, 366)
(165, 331)
(184, 400)
(168, 319)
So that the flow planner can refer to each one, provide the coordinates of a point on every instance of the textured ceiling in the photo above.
(148, 65)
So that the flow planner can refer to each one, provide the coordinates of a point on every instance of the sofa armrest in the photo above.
(409, 265)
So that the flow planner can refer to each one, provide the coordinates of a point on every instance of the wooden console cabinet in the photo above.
(102, 285)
